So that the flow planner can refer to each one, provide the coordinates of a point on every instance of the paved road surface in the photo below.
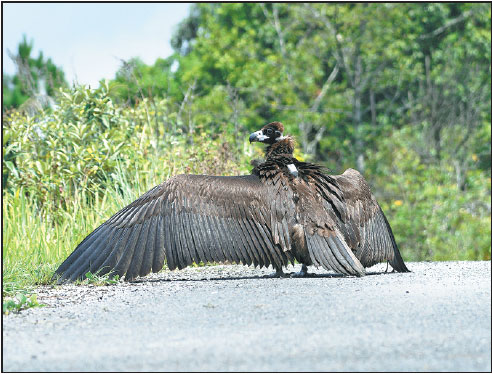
(229, 318)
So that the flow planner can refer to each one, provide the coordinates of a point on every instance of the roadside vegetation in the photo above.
(400, 92)
(70, 168)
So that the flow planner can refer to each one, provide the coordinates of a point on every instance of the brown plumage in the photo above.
(284, 210)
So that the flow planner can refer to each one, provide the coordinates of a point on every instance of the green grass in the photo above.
(19, 302)
(35, 242)
(99, 280)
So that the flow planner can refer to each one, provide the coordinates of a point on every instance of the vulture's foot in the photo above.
(387, 265)
(279, 273)
(302, 273)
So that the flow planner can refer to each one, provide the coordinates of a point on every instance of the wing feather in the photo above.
(341, 265)
(124, 261)
(241, 247)
(87, 250)
(209, 244)
(187, 236)
(325, 255)
(366, 224)
(139, 251)
(113, 257)
(89, 240)
(184, 220)
(250, 234)
(85, 264)
(270, 255)
(327, 250)
(164, 239)
(241, 232)
(148, 257)
(196, 233)
(101, 253)
(218, 233)
(313, 247)
(229, 243)
(175, 239)
(216, 242)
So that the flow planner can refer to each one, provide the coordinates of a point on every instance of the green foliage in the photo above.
(12, 93)
(339, 76)
(136, 81)
(86, 142)
(431, 217)
(80, 143)
(19, 302)
(71, 168)
(36, 79)
(99, 280)
(34, 243)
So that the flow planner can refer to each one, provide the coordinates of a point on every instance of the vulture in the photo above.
(285, 210)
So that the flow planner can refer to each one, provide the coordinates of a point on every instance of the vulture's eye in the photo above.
(269, 131)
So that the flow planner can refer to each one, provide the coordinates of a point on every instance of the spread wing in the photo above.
(189, 218)
(364, 224)
(325, 243)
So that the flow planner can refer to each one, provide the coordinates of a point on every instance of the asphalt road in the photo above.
(230, 318)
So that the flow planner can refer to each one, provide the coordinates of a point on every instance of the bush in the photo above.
(432, 218)
(69, 169)
(87, 140)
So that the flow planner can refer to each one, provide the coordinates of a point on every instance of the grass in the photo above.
(35, 242)
(99, 280)
(19, 302)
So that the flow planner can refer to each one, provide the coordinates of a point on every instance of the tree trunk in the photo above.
(357, 116)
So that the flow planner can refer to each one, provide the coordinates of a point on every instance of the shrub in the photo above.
(69, 169)
(432, 218)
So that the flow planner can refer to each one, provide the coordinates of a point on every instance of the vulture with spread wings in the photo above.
(285, 210)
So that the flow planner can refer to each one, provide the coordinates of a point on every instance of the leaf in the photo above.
(10, 165)
(39, 167)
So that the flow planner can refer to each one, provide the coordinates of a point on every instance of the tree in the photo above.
(135, 80)
(450, 101)
(344, 75)
(36, 78)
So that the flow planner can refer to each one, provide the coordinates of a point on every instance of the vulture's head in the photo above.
(269, 134)
(272, 136)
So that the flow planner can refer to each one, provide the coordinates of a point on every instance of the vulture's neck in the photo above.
(284, 148)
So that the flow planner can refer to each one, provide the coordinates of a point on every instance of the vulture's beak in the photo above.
(257, 137)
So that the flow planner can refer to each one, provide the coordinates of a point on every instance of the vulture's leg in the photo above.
(387, 265)
(301, 273)
(279, 273)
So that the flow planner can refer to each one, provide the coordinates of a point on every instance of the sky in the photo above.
(88, 40)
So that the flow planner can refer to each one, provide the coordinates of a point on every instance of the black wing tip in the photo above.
(55, 278)
(60, 275)
(60, 279)
(397, 263)
(400, 268)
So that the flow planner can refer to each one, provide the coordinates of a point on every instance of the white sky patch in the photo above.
(88, 40)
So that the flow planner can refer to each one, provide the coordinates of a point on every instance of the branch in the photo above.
(448, 24)
(186, 98)
(311, 146)
(276, 25)
(24, 73)
(326, 85)
(339, 52)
